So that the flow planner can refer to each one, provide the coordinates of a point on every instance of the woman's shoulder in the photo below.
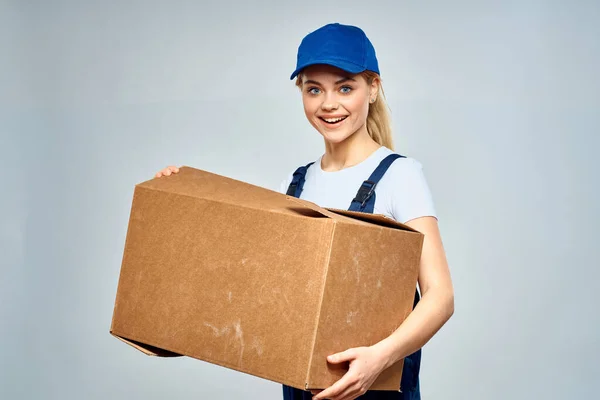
(404, 159)
(408, 190)
(407, 173)
(408, 163)
(404, 166)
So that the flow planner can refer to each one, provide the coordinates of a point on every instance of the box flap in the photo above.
(305, 206)
(377, 219)
(335, 213)
(146, 348)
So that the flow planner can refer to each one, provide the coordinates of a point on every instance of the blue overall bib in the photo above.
(365, 202)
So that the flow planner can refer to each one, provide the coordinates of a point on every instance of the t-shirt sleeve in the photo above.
(412, 196)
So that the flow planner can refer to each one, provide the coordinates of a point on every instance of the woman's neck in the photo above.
(355, 149)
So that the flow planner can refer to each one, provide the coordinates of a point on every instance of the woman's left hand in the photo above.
(366, 363)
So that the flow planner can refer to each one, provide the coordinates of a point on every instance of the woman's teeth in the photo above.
(333, 120)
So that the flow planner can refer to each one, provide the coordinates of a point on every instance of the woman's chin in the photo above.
(335, 137)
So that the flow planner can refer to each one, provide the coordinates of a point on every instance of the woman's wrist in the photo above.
(388, 351)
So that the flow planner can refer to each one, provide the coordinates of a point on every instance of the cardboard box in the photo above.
(260, 282)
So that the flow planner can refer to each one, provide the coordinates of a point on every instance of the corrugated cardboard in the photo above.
(260, 282)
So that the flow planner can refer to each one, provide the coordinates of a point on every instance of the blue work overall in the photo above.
(365, 202)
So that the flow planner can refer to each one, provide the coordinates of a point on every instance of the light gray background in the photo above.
(498, 100)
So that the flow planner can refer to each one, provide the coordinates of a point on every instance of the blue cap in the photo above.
(342, 46)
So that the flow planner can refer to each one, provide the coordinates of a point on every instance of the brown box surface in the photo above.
(260, 282)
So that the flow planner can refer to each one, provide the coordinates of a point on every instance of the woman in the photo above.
(338, 74)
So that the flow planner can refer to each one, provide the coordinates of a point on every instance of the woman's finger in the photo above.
(171, 169)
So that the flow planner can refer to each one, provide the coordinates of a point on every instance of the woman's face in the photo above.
(336, 103)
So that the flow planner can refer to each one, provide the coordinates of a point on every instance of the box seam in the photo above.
(318, 318)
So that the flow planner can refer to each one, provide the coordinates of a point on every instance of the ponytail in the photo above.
(379, 123)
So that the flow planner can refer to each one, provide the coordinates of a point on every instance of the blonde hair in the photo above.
(379, 125)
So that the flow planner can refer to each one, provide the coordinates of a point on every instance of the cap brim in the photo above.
(343, 65)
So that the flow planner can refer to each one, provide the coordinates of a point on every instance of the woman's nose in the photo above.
(329, 103)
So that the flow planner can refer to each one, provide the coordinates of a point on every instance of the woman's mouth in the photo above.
(333, 121)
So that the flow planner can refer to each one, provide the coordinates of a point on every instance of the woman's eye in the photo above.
(345, 89)
(313, 90)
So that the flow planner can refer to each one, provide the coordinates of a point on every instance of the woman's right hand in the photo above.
(167, 171)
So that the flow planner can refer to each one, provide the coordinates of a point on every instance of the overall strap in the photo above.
(365, 197)
(297, 183)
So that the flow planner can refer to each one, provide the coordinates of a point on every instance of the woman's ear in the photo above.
(374, 88)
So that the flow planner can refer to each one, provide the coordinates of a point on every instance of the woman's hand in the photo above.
(366, 363)
(167, 171)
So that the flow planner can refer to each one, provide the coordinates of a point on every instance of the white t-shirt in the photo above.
(402, 194)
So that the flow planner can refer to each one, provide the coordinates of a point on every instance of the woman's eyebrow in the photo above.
(310, 81)
(345, 79)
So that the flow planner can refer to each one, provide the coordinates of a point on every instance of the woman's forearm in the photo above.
(431, 313)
